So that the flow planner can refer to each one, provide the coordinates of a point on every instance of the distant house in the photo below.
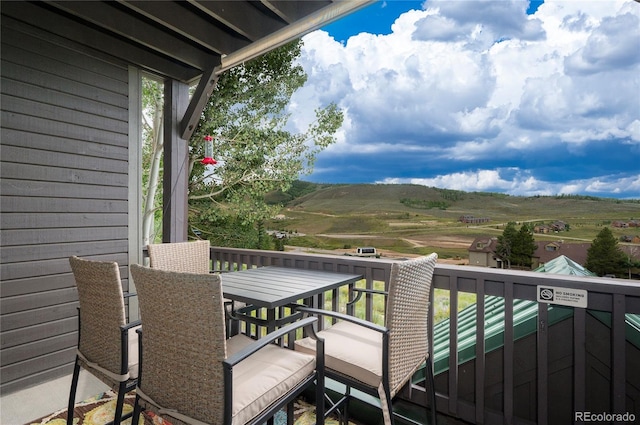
(542, 228)
(469, 219)
(630, 239)
(482, 252)
(559, 226)
(620, 224)
(547, 251)
(550, 246)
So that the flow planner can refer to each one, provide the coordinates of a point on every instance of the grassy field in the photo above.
(415, 220)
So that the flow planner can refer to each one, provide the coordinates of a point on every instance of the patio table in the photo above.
(275, 287)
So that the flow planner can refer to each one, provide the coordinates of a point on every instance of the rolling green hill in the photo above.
(407, 218)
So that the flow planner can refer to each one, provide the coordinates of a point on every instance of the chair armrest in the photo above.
(124, 344)
(269, 338)
(131, 325)
(129, 294)
(342, 316)
(370, 291)
(361, 291)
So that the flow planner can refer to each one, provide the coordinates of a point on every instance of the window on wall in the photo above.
(152, 159)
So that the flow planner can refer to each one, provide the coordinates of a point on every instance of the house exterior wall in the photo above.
(479, 258)
(483, 259)
(64, 188)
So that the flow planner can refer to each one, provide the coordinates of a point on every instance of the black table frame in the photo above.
(274, 287)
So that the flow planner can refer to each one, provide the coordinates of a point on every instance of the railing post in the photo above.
(480, 351)
(453, 347)
(508, 353)
(579, 359)
(543, 366)
(618, 367)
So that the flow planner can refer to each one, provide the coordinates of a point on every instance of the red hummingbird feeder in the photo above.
(208, 151)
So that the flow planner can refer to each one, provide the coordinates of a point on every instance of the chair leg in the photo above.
(136, 411)
(320, 401)
(432, 389)
(290, 410)
(119, 403)
(72, 392)
(346, 406)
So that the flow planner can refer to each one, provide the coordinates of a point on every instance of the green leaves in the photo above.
(256, 152)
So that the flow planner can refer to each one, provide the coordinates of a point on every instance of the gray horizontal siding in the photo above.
(43, 260)
(39, 188)
(15, 355)
(66, 143)
(64, 187)
(15, 307)
(44, 220)
(57, 235)
(68, 205)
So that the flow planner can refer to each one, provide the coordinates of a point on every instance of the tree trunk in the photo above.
(148, 215)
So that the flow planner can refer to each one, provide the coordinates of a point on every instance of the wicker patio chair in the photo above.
(380, 360)
(192, 374)
(189, 257)
(107, 345)
(186, 257)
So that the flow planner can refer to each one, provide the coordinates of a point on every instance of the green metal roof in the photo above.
(524, 323)
(564, 265)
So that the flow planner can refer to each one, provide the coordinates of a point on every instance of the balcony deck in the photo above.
(582, 360)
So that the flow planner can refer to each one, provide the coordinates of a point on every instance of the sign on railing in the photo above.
(563, 296)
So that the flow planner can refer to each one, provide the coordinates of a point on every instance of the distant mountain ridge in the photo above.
(408, 198)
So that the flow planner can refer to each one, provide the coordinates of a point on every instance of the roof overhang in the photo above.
(295, 30)
(186, 40)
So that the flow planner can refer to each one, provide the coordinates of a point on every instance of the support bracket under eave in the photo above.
(201, 96)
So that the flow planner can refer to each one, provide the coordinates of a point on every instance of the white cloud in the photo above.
(521, 183)
(472, 85)
(481, 181)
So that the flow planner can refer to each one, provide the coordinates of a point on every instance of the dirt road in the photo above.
(433, 241)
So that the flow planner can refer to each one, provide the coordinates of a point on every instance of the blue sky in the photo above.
(502, 96)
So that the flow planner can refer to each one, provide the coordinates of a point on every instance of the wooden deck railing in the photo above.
(584, 364)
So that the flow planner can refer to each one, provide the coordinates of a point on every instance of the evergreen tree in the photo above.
(605, 257)
(516, 248)
(524, 246)
(504, 248)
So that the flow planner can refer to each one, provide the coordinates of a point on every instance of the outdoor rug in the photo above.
(100, 409)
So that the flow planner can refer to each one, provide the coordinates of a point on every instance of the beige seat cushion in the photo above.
(262, 378)
(351, 350)
(133, 353)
